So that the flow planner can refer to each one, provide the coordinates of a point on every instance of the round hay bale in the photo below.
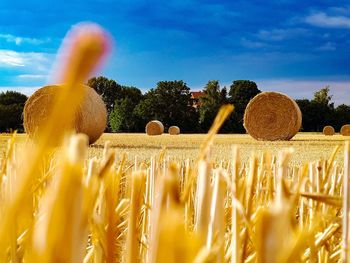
(328, 130)
(90, 118)
(345, 130)
(154, 128)
(272, 116)
(174, 130)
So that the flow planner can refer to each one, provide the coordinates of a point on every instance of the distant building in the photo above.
(195, 95)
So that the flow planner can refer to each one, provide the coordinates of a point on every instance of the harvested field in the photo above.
(250, 204)
(307, 146)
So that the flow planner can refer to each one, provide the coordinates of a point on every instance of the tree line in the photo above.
(171, 102)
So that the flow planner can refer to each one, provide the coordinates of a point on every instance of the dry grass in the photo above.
(328, 130)
(90, 116)
(204, 211)
(307, 146)
(174, 130)
(272, 116)
(345, 130)
(154, 128)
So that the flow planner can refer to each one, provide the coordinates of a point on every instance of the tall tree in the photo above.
(241, 92)
(322, 97)
(214, 97)
(112, 92)
(309, 111)
(108, 89)
(342, 116)
(122, 118)
(170, 102)
(12, 97)
(11, 108)
(317, 112)
(325, 113)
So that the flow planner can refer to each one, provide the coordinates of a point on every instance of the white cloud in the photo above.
(252, 44)
(22, 89)
(321, 19)
(34, 61)
(299, 89)
(10, 58)
(340, 10)
(281, 34)
(21, 40)
(33, 76)
(329, 46)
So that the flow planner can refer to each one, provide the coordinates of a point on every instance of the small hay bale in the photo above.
(90, 118)
(328, 130)
(345, 130)
(174, 130)
(154, 128)
(272, 116)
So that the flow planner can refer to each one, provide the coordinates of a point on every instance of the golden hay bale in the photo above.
(272, 116)
(328, 130)
(90, 118)
(174, 130)
(154, 128)
(345, 130)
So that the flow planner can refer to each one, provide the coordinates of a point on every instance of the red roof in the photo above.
(197, 94)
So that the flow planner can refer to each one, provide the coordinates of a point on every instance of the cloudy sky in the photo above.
(295, 47)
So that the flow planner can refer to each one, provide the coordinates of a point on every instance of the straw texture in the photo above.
(272, 116)
(328, 130)
(174, 130)
(90, 117)
(154, 128)
(345, 130)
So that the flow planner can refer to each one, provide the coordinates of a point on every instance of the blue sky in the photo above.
(295, 47)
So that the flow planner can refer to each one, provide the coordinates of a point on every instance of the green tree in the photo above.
(170, 102)
(214, 97)
(147, 109)
(318, 112)
(309, 111)
(324, 113)
(12, 97)
(112, 92)
(240, 93)
(11, 109)
(122, 118)
(322, 97)
(342, 116)
(108, 89)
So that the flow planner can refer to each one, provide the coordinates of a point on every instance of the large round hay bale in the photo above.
(345, 130)
(90, 117)
(154, 128)
(272, 116)
(174, 130)
(328, 130)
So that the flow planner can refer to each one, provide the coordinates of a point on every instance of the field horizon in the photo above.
(308, 147)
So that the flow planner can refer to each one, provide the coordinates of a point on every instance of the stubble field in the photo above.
(227, 207)
(307, 147)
